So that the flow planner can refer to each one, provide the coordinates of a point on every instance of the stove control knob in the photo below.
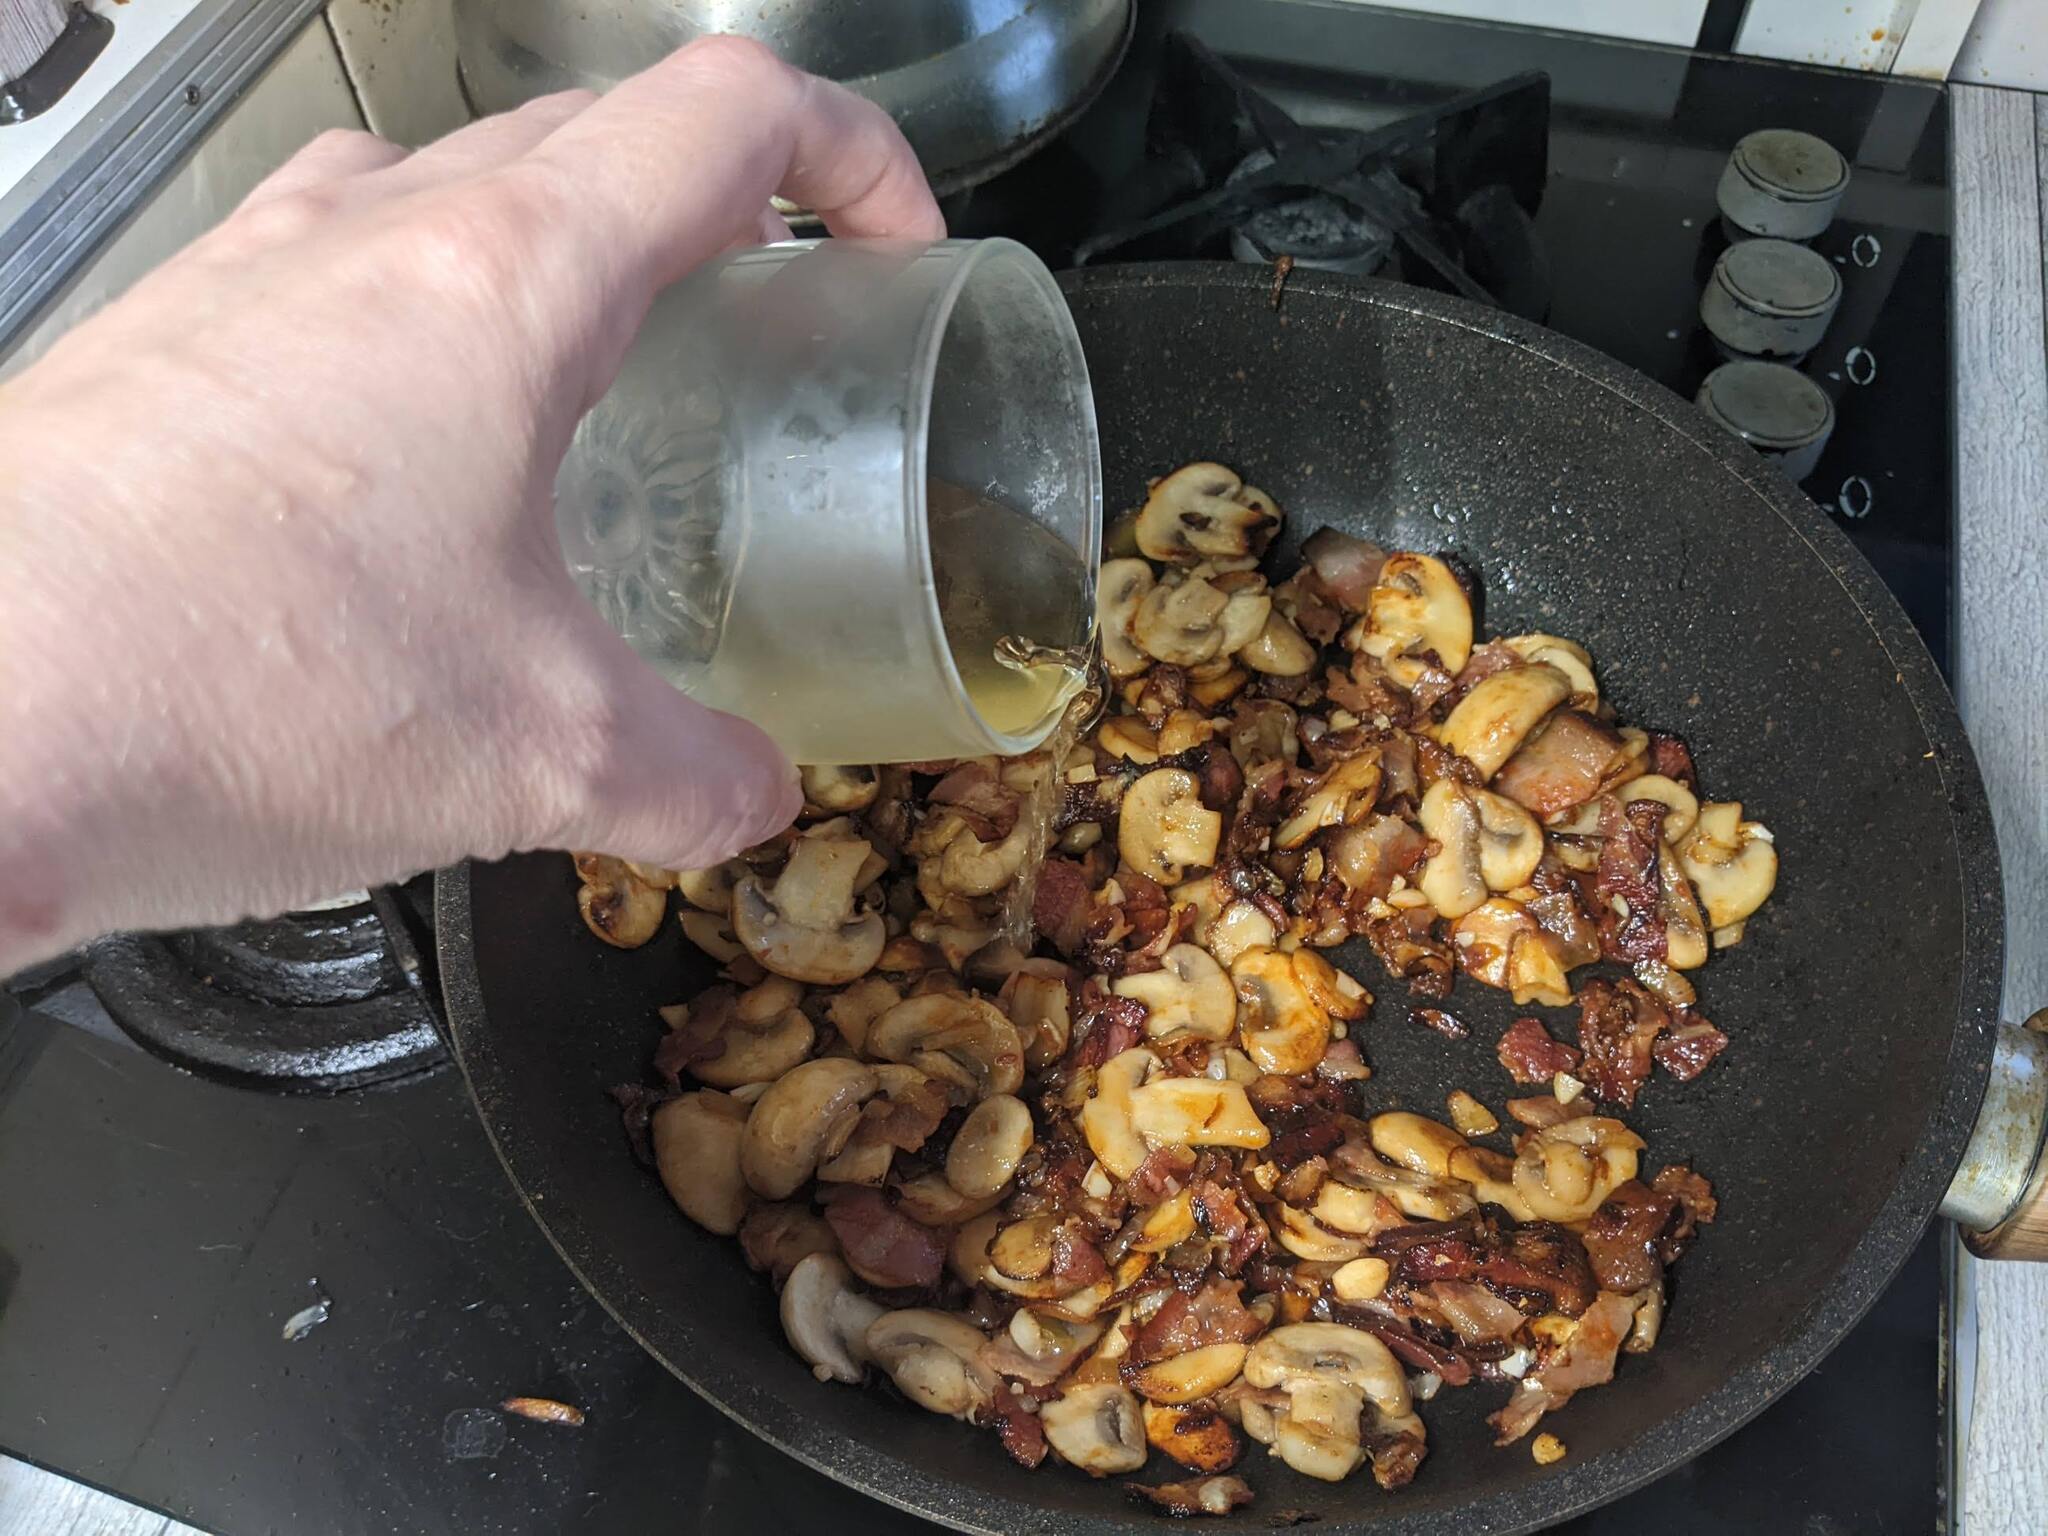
(1778, 411)
(1781, 183)
(1770, 299)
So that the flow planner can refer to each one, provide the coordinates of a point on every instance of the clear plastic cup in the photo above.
(830, 475)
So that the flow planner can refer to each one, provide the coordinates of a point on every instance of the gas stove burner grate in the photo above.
(1446, 197)
(313, 1002)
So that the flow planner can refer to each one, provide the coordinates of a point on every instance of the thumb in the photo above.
(685, 786)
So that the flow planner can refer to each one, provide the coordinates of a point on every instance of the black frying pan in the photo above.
(1717, 602)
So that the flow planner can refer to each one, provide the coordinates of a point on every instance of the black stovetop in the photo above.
(157, 1230)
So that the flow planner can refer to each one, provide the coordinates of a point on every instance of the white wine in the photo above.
(1013, 598)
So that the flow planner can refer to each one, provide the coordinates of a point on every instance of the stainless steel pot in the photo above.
(975, 84)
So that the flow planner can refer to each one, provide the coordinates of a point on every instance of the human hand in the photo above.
(298, 621)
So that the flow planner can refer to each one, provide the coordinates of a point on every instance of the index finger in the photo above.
(676, 162)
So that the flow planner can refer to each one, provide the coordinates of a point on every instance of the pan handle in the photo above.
(1999, 1194)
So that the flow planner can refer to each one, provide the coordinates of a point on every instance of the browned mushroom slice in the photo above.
(1205, 512)
(616, 904)
(1164, 828)
(805, 926)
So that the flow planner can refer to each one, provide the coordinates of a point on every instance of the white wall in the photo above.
(2007, 44)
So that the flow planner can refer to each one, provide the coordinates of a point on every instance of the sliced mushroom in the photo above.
(1204, 511)
(1330, 1372)
(1279, 649)
(1500, 944)
(804, 1118)
(1184, 1378)
(935, 1360)
(929, 1200)
(1022, 1250)
(1237, 928)
(1129, 737)
(1197, 1436)
(1183, 730)
(697, 1151)
(1357, 1198)
(1195, 1112)
(1120, 587)
(1106, 1118)
(1096, 1428)
(1216, 689)
(780, 1234)
(1306, 1238)
(1054, 1342)
(969, 867)
(1733, 862)
(837, 791)
(989, 1145)
(1164, 828)
(1181, 621)
(1337, 994)
(710, 890)
(617, 905)
(712, 933)
(1568, 657)
(1039, 1004)
(855, 1009)
(1452, 879)
(1415, 1141)
(1285, 1032)
(1499, 713)
(826, 1320)
(1685, 931)
(1169, 1222)
(805, 926)
(1417, 609)
(1360, 1280)
(766, 1036)
(1564, 1172)
(1343, 794)
(965, 1042)
(1189, 995)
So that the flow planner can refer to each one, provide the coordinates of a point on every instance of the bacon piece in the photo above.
(1410, 949)
(1562, 765)
(1689, 1047)
(1226, 1216)
(1619, 1022)
(1628, 873)
(1075, 1261)
(1473, 1312)
(1346, 568)
(1165, 690)
(1484, 662)
(1211, 1315)
(1587, 1360)
(1396, 1454)
(1022, 1434)
(882, 1245)
(1696, 1206)
(1367, 857)
(699, 1037)
(1544, 1110)
(1560, 913)
(1538, 1265)
(637, 1104)
(1670, 756)
(1623, 1235)
(906, 1120)
(1217, 1495)
(1059, 906)
(1366, 691)
(1531, 1055)
(1447, 1025)
(1108, 1026)
(1315, 608)
(1408, 1346)
(974, 793)
(1341, 1063)
(1164, 1172)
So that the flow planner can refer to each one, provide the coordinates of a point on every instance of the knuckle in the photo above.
(338, 143)
(284, 219)
(725, 55)
(472, 243)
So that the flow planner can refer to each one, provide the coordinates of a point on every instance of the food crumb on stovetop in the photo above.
(1546, 1449)
(543, 1410)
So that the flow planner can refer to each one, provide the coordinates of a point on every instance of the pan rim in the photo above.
(1805, 1338)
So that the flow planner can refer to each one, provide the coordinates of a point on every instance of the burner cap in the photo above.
(1778, 411)
(1770, 298)
(1319, 230)
(1783, 183)
(309, 1003)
